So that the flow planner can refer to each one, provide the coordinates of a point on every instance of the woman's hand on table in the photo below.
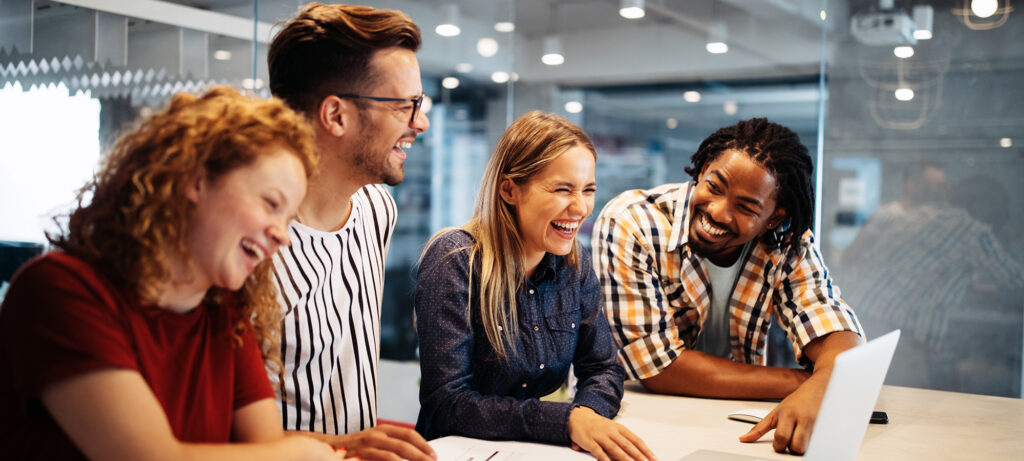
(604, 438)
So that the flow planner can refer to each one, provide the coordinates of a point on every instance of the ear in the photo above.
(334, 115)
(777, 219)
(195, 188)
(509, 191)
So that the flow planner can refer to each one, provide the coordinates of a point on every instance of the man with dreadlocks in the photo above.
(693, 272)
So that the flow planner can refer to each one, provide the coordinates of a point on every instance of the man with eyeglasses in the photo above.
(352, 70)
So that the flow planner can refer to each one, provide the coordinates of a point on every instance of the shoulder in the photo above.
(448, 242)
(632, 204)
(59, 269)
(376, 196)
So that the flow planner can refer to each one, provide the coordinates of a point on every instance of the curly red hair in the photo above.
(135, 206)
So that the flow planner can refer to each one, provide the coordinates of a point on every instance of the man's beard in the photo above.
(375, 165)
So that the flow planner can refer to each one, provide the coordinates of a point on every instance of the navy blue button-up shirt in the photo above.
(466, 390)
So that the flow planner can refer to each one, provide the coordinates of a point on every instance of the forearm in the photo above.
(325, 438)
(492, 417)
(289, 448)
(703, 375)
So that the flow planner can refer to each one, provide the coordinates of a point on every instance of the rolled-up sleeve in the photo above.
(638, 313)
(809, 302)
(449, 404)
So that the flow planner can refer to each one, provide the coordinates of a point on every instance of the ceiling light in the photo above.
(449, 22)
(691, 96)
(984, 8)
(504, 26)
(552, 51)
(717, 34)
(463, 68)
(428, 103)
(671, 123)
(513, 76)
(574, 107)
(903, 52)
(222, 55)
(924, 17)
(823, 15)
(499, 77)
(631, 9)
(730, 108)
(450, 83)
(1006, 143)
(487, 47)
(904, 94)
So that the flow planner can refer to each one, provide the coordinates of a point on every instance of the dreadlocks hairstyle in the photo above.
(778, 150)
(326, 49)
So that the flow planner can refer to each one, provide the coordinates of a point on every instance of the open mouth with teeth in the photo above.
(254, 251)
(709, 231)
(565, 229)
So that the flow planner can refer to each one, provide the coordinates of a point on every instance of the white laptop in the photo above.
(846, 408)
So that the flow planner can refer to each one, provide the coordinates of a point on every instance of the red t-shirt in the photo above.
(61, 318)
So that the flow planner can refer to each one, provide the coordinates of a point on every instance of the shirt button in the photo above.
(532, 291)
(573, 325)
(536, 328)
(524, 385)
(542, 366)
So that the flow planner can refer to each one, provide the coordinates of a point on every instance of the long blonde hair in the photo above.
(531, 143)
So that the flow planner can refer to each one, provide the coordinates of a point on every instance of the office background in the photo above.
(880, 110)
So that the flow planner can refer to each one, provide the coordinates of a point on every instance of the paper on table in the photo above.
(454, 448)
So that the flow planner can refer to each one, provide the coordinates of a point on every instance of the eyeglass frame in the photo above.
(417, 102)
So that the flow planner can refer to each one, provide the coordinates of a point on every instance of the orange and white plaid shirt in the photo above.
(657, 290)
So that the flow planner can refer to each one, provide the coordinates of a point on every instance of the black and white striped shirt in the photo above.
(330, 287)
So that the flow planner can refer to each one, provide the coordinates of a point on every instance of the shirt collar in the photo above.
(547, 268)
(679, 235)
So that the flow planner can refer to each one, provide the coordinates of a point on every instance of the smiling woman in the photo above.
(144, 336)
(534, 305)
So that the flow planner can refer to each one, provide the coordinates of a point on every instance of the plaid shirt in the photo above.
(658, 293)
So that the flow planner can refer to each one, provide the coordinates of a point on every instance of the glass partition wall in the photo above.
(917, 140)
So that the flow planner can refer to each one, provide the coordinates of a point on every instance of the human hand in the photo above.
(604, 438)
(312, 449)
(793, 419)
(385, 443)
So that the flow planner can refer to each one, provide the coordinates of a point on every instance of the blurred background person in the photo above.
(922, 264)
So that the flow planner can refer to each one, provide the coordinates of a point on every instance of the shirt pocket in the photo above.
(564, 328)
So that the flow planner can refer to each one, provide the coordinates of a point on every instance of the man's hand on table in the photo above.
(792, 419)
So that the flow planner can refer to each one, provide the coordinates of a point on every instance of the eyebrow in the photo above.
(570, 185)
(750, 200)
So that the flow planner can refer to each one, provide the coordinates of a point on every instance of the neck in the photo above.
(183, 290)
(531, 261)
(328, 200)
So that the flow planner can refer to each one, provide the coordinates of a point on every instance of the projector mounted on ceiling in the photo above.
(879, 28)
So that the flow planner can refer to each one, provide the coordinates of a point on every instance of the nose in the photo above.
(579, 205)
(719, 212)
(278, 234)
(420, 123)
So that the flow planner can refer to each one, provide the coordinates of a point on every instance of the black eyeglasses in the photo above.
(416, 102)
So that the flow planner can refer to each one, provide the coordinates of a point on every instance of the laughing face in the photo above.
(551, 206)
(241, 218)
(733, 203)
(387, 128)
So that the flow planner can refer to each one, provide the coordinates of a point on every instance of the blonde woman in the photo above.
(144, 335)
(506, 303)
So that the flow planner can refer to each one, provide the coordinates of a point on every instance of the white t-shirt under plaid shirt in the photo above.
(657, 290)
(330, 286)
